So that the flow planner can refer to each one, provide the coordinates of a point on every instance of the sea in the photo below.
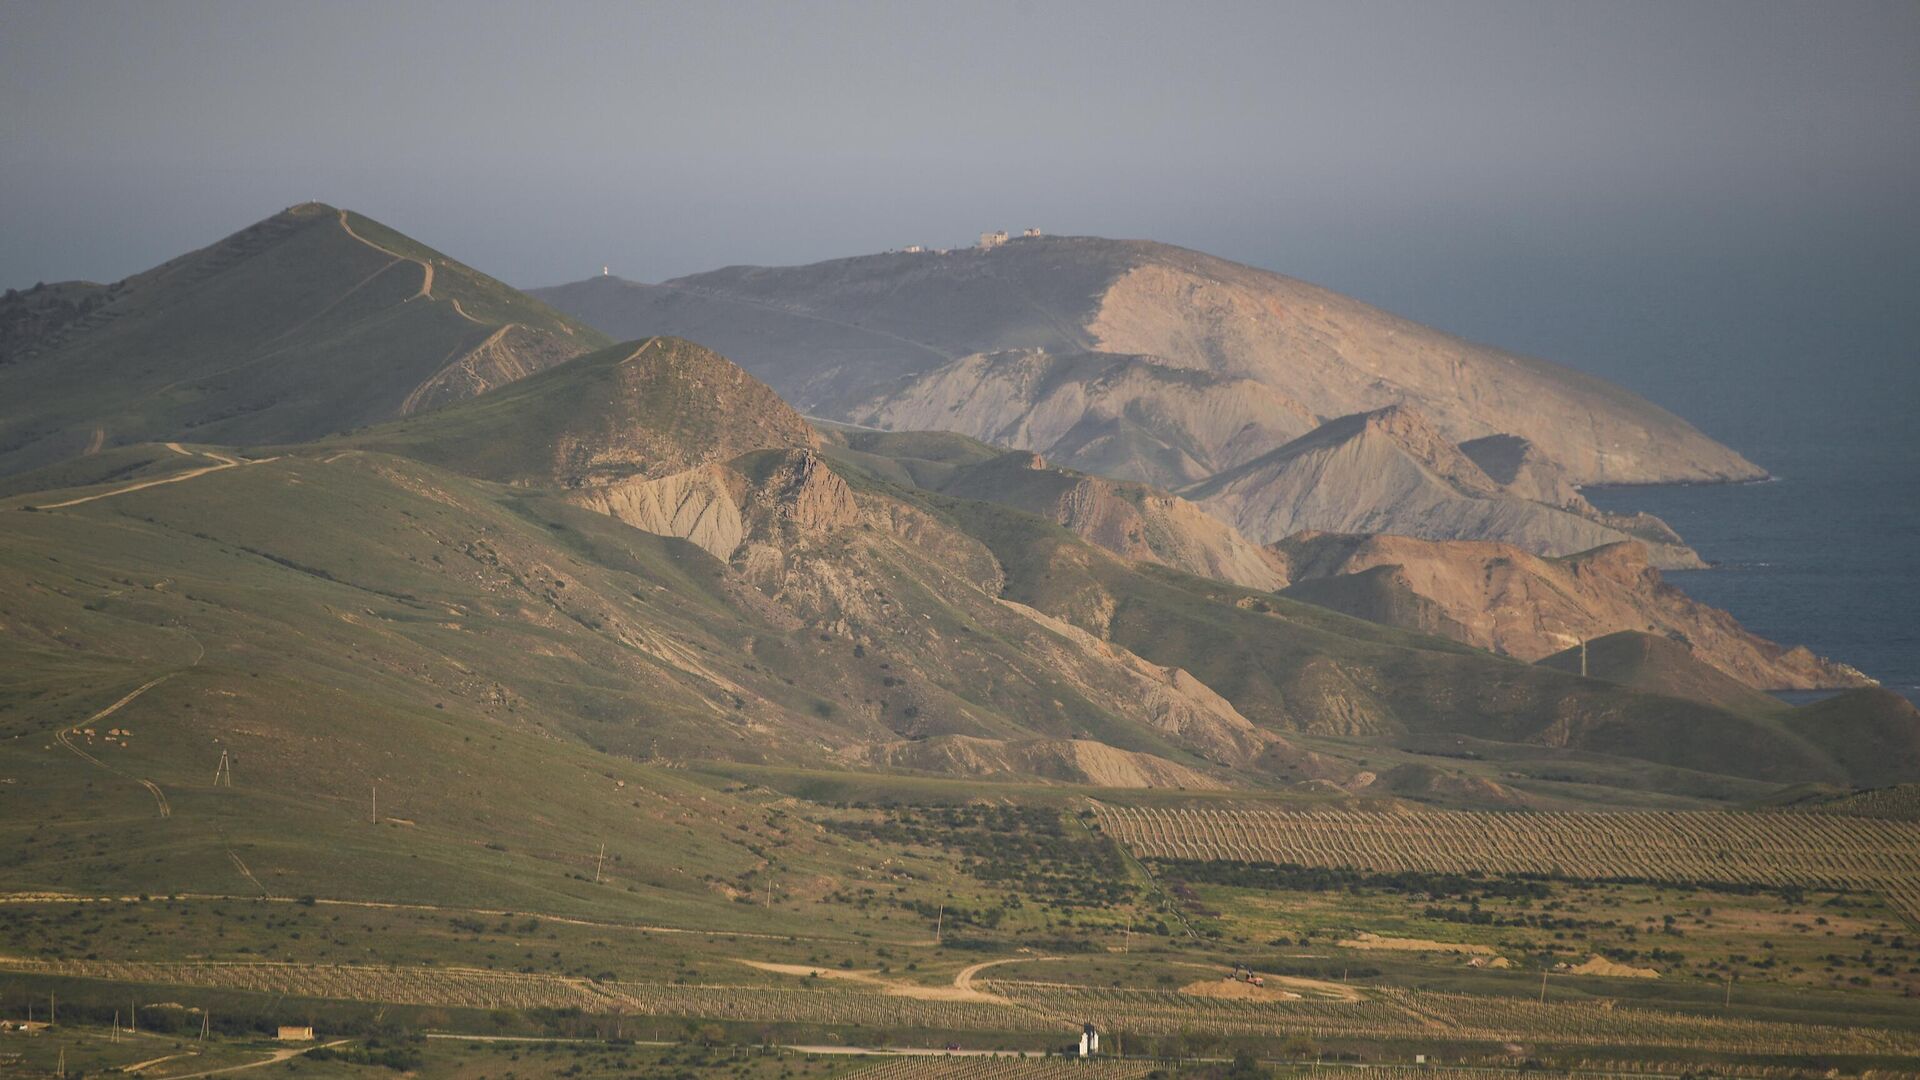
(1826, 554)
(1808, 365)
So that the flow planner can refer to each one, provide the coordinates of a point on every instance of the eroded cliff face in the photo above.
(699, 505)
(996, 344)
(1500, 597)
(1125, 417)
(769, 497)
(1392, 471)
(1337, 356)
(1131, 520)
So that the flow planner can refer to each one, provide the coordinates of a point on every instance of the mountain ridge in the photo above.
(312, 321)
(847, 325)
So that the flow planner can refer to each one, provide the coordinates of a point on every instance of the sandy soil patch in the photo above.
(1316, 987)
(1375, 941)
(874, 978)
(1235, 990)
(1600, 965)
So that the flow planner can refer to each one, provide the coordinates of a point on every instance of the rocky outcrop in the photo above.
(794, 489)
(700, 505)
(1500, 597)
(716, 507)
(1390, 471)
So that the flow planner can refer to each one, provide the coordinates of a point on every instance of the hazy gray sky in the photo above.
(1543, 175)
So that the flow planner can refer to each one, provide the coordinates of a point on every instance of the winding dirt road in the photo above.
(426, 280)
(64, 738)
(222, 460)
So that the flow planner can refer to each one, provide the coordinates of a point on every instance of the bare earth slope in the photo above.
(1391, 471)
(313, 321)
(831, 336)
(1499, 597)
(1133, 521)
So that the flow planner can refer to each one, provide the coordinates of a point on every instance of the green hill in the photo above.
(313, 321)
(1664, 666)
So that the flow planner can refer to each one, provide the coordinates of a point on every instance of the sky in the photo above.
(1665, 193)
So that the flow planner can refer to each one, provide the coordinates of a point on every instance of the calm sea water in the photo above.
(1804, 355)
(1827, 555)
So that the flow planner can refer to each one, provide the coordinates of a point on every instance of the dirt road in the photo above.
(65, 738)
(224, 462)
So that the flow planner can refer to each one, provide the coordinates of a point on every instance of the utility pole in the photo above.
(939, 923)
(223, 772)
(599, 862)
(1729, 1001)
(206, 1023)
(1543, 986)
(1583, 658)
(376, 805)
(115, 1036)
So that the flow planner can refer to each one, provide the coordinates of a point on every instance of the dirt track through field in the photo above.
(241, 865)
(382, 905)
(64, 738)
(224, 462)
(275, 1058)
(426, 281)
(959, 991)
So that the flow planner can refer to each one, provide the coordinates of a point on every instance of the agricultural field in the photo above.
(1806, 851)
(1004, 924)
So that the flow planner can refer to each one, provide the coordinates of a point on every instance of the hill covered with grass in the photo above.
(313, 321)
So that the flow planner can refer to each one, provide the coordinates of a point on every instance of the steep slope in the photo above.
(1126, 417)
(313, 321)
(1390, 471)
(1131, 520)
(1662, 665)
(644, 409)
(1499, 597)
(672, 439)
(1291, 668)
(1873, 734)
(831, 337)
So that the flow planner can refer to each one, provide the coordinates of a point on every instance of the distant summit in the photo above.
(312, 321)
(878, 336)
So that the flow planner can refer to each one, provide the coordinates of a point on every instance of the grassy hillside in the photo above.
(312, 321)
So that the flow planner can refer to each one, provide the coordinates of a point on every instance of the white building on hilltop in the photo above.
(991, 240)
